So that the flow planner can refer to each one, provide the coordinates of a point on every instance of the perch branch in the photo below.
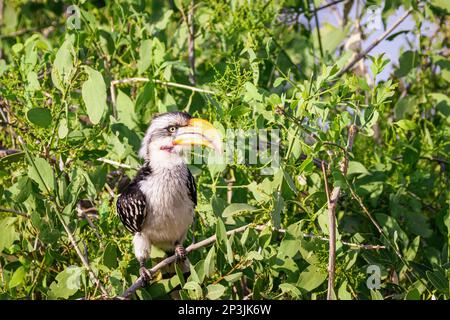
(332, 203)
(169, 260)
(362, 54)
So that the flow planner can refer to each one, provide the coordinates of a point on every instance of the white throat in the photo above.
(163, 159)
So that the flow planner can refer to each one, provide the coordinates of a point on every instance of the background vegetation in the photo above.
(69, 143)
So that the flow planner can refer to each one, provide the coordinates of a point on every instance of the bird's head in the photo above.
(172, 132)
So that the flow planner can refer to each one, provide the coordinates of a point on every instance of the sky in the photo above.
(391, 49)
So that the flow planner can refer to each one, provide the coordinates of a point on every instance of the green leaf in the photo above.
(293, 291)
(210, 262)
(110, 256)
(24, 189)
(276, 214)
(18, 277)
(63, 130)
(145, 55)
(125, 110)
(93, 92)
(406, 124)
(441, 4)
(33, 82)
(236, 208)
(40, 116)
(215, 291)
(196, 291)
(8, 232)
(277, 82)
(221, 234)
(288, 248)
(412, 294)
(63, 65)
(355, 167)
(44, 174)
(408, 61)
(439, 281)
(405, 106)
(66, 284)
(311, 278)
(12, 158)
(251, 92)
(376, 295)
(412, 250)
(145, 102)
(233, 277)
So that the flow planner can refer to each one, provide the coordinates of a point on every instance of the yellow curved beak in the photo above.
(199, 132)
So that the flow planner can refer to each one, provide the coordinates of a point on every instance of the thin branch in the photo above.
(7, 152)
(321, 7)
(363, 207)
(373, 44)
(83, 214)
(332, 203)
(23, 214)
(164, 83)
(329, 5)
(169, 260)
(82, 257)
(115, 163)
(319, 38)
(332, 236)
(191, 43)
(23, 31)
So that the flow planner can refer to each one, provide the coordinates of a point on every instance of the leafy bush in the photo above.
(71, 127)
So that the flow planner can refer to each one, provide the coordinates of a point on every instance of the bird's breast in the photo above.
(170, 210)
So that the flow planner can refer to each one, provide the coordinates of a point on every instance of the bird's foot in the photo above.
(145, 275)
(180, 253)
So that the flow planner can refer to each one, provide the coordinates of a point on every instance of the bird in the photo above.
(158, 204)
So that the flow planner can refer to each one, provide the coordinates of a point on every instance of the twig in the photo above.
(23, 214)
(321, 7)
(23, 31)
(373, 45)
(169, 260)
(7, 152)
(319, 38)
(332, 203)
(83, 214)
(363, 207)
(115, 163)
(83, 258)
(164, 83)
(191, 43)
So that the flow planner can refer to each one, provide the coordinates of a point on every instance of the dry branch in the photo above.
(332, 203)
(164, 83)
(191, 43)
(373, 44)
(23, 214)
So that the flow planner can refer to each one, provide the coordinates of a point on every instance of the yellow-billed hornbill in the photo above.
(158, 205)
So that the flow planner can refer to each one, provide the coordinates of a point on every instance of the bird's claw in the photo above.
(180, 253)
(145, 275)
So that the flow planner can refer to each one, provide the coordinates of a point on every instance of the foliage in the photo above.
(266, 72)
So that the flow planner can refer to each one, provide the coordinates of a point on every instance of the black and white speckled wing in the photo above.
(131, 207)
(192, 188)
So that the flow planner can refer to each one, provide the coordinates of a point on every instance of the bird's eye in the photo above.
(171, 129)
